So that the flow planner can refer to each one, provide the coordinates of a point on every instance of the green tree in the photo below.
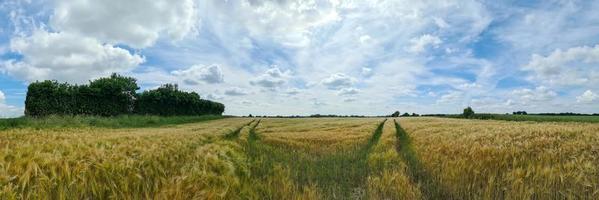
(395, 114)
(468, 112)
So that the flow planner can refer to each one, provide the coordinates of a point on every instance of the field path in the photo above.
(428, 186)
(339, 175)
(235, 133)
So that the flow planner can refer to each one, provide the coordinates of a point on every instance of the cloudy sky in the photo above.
(287, 57)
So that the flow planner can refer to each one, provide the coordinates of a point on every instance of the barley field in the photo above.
(304, 158)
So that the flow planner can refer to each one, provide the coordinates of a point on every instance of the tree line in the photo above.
(111, 96)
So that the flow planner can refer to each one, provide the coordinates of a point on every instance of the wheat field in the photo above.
(307, 158)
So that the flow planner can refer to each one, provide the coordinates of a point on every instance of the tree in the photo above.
(395, 114)
(468, 112)
(405, 115)
(113, 95)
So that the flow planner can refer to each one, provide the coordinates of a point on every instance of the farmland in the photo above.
(307, 158)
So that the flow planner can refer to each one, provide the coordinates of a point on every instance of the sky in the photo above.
(299, 57)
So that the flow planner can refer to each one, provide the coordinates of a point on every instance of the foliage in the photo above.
(395, 114)
(168, 100)
(108, 96)
(111, 96)
(520, 113)
(468, 112)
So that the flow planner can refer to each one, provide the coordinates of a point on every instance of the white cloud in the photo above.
(211, 74)
(587, 97)
(214, 97)
(348, 91)
(338, 81)
(365, 39)
(350, 99)
(574, 66)
(366, 72)
(8, 110)
(420, 44)
(137, 23)
(451, 98)
(271, 79)
(66, 57)
(538, 94)
(293, 91)
(236, 92)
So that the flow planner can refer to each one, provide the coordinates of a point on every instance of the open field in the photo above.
(307, 158)
(535, 117)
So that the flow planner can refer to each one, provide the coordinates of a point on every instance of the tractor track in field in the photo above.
(430, 189)
(235, 133)
(342, 173)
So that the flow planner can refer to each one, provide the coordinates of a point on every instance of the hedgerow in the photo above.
(111, 96)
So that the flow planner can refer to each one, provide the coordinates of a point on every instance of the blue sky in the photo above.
(367, 57)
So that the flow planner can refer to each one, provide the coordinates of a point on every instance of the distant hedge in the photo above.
(169, 100)
(111, 96)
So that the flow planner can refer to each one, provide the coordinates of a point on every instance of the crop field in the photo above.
(305, 158)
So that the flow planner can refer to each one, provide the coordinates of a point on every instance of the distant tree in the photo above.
(415, 115)
(520, 113)
(395, 114)
(250, 115)
(468, 112)
(405, 115)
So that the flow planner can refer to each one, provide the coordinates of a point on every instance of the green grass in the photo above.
(123, 121)
(536, 118)
(339, 175)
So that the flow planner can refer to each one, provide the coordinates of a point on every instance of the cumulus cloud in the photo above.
(537, 94)
(574, 66)
(8, 110)
(137, 23)
(348, 91)
(271, 79)
(587, 97)
(338, 81)
(235, 92)
(66, 57)
(451, 97)
(287, 22)
(195, 74)
(420, 44)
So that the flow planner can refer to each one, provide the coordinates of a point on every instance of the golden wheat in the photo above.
(474, 159)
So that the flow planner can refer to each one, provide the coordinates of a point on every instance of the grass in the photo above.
(124, 121)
